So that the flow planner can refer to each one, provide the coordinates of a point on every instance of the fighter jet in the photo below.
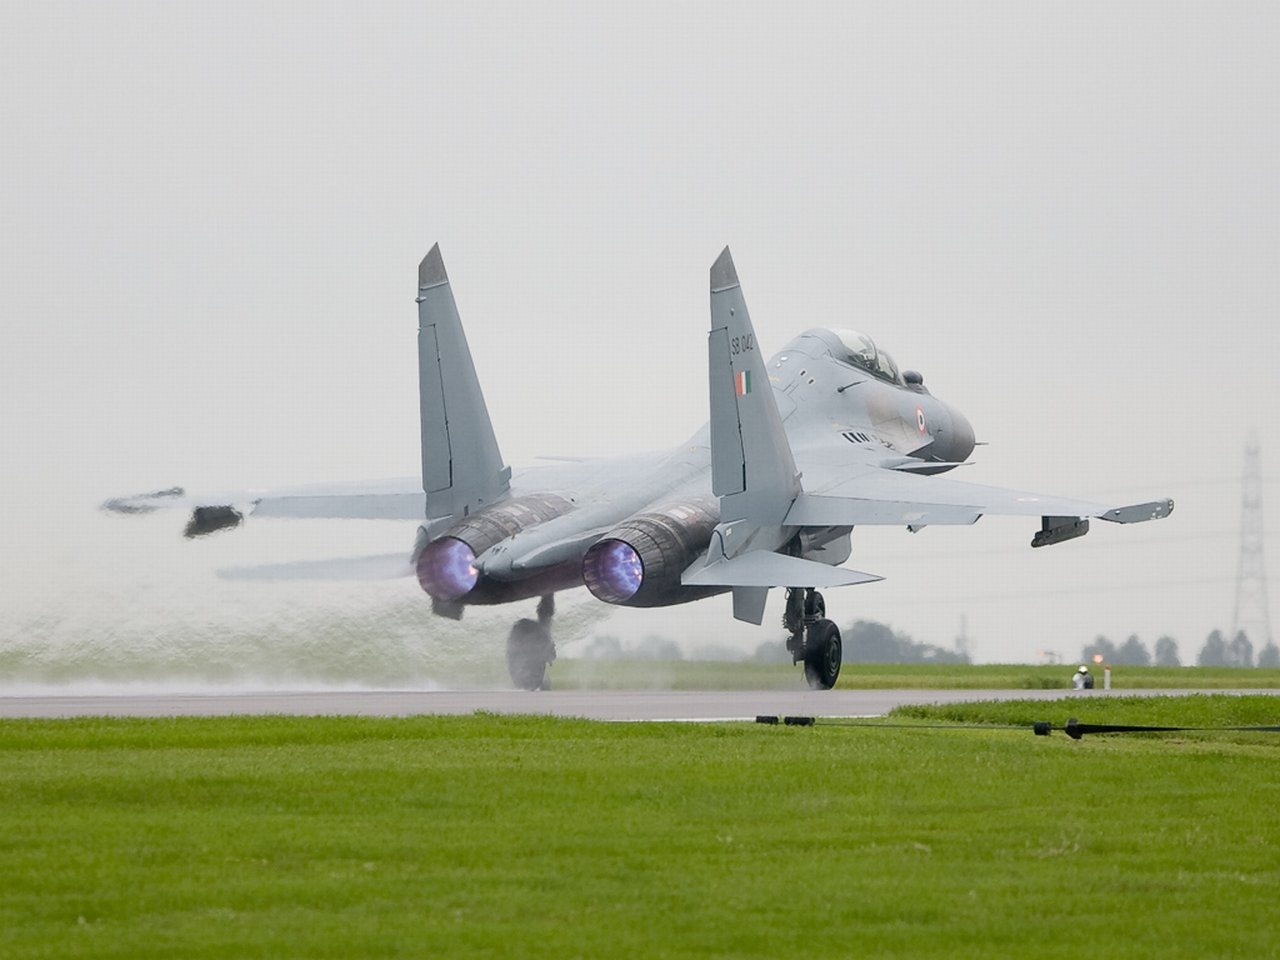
(825, 436)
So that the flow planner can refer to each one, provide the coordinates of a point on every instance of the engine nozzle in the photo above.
(447, 569)
(612, 570)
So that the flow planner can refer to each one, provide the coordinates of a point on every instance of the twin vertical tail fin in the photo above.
(753, 471)
(462, 467)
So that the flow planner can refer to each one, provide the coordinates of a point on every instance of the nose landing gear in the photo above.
(812, 638)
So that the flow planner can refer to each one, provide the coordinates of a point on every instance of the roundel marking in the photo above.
(920, 420)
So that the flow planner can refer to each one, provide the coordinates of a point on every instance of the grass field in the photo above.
(568, 674)
(519, 837)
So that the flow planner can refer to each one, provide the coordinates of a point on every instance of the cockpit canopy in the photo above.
(861, 351)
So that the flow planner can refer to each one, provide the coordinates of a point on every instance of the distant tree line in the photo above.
(865, 642)
(870, 642)
(1216, 652)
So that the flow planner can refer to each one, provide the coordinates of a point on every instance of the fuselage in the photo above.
(838, 406)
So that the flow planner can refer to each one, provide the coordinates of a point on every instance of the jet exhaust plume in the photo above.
(613, 571)
(446, 569)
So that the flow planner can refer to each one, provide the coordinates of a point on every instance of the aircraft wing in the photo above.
(383, 501)
(371, 499)
(364, 500)
(874, 495)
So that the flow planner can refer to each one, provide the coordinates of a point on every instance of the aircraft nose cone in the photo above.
(959, 439)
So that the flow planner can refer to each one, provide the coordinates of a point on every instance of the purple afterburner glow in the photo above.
(447, 569)
(612, 571)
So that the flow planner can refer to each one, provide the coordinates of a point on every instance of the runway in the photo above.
(614, 705)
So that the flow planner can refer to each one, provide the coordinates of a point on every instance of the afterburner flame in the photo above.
(447, 570)
(612, 571)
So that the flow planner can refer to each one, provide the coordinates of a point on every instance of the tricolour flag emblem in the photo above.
(742, 382)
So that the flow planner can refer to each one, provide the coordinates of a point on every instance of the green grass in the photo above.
(1013, 676)
(510, 837)
(570, 674)
(1214, 711)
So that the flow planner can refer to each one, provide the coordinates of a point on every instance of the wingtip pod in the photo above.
(724, 275)
(1139, 512)
(431, 271)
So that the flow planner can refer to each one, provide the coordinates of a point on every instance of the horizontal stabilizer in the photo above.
(763, 568)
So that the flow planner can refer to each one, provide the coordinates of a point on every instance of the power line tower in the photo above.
(1252, 614)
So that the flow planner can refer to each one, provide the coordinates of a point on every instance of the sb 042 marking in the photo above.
(743, 344)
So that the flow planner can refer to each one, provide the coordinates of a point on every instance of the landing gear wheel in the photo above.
(822, 655)
(529, 650)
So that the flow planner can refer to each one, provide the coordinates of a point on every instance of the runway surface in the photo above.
(669, 705)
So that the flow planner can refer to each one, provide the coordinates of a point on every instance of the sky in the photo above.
(1067, 216)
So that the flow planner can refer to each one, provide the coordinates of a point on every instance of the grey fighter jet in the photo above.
(827, 435)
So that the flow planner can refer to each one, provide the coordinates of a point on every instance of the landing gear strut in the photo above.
(530, 648)
(813, 638)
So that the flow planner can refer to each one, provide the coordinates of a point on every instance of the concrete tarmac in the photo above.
(620, 705)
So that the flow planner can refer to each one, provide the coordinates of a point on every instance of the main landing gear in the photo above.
(530, 649)
(813, 638)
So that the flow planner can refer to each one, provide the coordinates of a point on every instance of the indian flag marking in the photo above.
(742, 382)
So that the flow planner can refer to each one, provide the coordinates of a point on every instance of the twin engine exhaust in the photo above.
(637, 563)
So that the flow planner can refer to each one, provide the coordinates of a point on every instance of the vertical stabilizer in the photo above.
(752, 470)
(462, 468)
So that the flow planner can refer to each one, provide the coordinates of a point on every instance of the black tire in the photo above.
(529, 650)
(822, 655)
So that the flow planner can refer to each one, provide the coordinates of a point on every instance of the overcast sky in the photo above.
(1067, 215)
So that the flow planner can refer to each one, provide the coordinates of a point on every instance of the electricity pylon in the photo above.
(1252, 615)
